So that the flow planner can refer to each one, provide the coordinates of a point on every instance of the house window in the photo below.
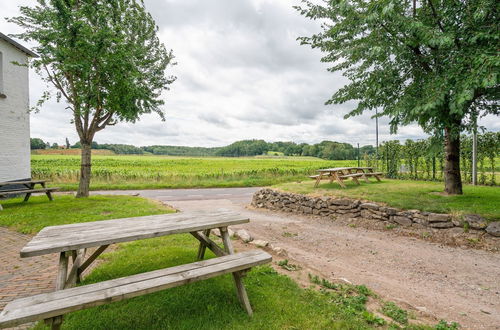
(2, 95)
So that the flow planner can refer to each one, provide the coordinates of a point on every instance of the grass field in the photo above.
(278, 302)
(142, 172)
(404, 194)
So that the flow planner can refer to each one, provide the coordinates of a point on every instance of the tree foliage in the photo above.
(103, 58)
(37, 143)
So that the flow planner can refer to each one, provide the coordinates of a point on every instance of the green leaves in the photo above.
(103, 57)
(431, 65)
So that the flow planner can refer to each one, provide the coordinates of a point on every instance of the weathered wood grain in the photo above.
(58, 303)
(90, 234)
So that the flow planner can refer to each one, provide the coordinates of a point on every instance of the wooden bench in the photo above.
(27, 190)
(54, 304)
(72, 240)
(315, 177)
(353, 175)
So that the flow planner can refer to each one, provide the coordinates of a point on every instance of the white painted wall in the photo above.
(14, 115)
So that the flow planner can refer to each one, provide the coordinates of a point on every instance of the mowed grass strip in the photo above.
(405, 194)
(30, 217)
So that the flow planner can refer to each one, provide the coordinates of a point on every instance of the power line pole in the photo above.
(376, 138)
(474, 153)
(358, 156)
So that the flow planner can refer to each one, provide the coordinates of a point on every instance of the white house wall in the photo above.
(14, 116)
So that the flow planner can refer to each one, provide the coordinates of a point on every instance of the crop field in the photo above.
(142, 172)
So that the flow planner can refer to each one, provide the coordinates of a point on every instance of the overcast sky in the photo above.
(241, 74)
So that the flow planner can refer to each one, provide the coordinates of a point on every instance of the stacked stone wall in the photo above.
(330, 206)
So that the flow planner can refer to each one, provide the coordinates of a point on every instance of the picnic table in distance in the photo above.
(339, 174)
(26, 187)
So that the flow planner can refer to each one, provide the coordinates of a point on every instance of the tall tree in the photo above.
(433, 62)
(104, 59)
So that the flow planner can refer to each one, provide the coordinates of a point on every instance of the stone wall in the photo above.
(353, 208)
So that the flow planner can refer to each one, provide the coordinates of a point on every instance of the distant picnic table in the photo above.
(26, 187)
(339, 174)
(71, 242)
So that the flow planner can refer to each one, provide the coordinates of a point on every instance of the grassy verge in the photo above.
(422, 195)
(180, 183)
(39, 212)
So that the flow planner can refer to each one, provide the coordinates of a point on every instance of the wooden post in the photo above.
(237, 276)
(62, 273)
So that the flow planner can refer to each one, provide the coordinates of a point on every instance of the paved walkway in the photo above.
(26, 276)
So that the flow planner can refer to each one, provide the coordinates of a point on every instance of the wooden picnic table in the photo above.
(72, 241)
(27, 188)
(339, 174)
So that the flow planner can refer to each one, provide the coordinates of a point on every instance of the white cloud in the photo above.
(241, 74)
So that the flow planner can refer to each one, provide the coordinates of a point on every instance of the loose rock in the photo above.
(494, 229)
(260, 243)
(244, 235)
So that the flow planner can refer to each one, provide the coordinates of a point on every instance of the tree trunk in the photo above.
(84, 186)
(452, 178)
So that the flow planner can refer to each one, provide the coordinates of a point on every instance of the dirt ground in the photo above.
(435, 281)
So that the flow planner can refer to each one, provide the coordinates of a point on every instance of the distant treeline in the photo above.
(326, 149)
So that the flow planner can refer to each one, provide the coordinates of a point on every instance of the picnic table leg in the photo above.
(353, 178)
(202, 248)
(318, 179)
(27, 197)
(62, 273)
(237, 276)
(340, 181)
(48, 193)
(364, 176)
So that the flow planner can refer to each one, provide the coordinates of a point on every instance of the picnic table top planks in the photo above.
(97, 233)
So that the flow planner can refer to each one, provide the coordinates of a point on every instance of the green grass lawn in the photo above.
(30, 217)
(422, 195)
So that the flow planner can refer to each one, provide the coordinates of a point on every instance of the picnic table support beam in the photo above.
(209, 243)
(91, 259)
(202, 248)
(237, 276)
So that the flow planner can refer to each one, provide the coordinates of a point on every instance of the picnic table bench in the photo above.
(339, 174)
(71, 242)
(27, 187)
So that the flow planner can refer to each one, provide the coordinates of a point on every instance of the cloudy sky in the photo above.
(241, 74)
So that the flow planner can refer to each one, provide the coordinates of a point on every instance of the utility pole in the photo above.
(474, 153)
(358, 156)
(376, 138)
